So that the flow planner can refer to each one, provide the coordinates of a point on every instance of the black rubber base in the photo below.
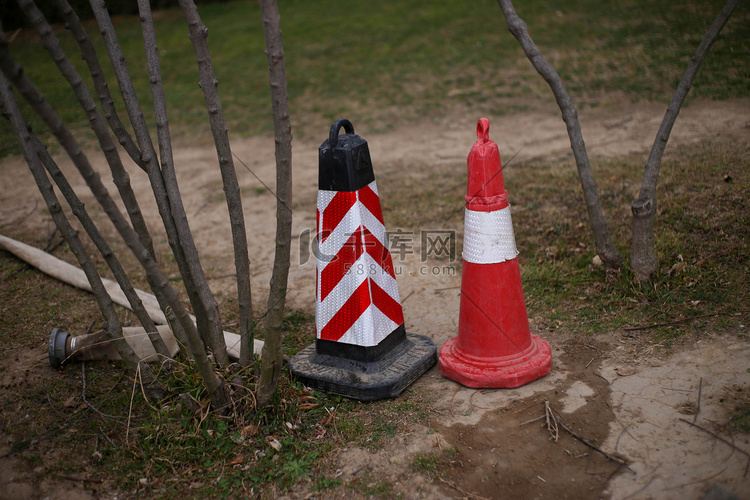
(384, 378)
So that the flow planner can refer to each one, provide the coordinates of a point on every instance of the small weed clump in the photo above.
(741, 420)
(433, 463)
(371, 486)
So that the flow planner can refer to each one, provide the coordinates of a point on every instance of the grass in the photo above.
(433, 464)
(406, 59)
(371, 486)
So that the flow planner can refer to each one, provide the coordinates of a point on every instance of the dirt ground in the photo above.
(621, 394)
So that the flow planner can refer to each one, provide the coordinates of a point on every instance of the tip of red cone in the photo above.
(483, 130)
(485, 190)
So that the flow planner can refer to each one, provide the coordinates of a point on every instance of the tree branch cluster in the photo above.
(204, 336)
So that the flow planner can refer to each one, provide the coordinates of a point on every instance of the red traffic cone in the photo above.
(494, 347)
(362, 349)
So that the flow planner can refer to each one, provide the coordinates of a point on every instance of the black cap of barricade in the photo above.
(344, 160)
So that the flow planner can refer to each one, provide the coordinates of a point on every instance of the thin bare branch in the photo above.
(715, 436)
(208, 82)
(174, 311)
(214, 336)
(605, 248)
(591, 445)
(100, 81)
(271, 360)
(166, 192)
(643, 257)
(51, 44)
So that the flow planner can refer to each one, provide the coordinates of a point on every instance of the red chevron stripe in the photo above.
(371, 201)
(347, 314)
(341, 263)
(386, 304)
(335, 211)
(378, 252)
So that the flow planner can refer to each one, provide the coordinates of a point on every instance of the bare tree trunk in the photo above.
(208, 82)
(605, 248)
(271, 359)
(166, 191)
(152, 386)
(643, 259)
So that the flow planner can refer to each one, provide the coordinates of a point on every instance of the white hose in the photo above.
(72, 275)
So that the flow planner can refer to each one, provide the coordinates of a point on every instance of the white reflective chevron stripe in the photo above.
(357, 216)
(324, 198)
(328, 307)
(369, 328)
(488, 237)
(340, 234)
(365, 267)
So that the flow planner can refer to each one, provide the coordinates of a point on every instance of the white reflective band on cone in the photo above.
(488, 237)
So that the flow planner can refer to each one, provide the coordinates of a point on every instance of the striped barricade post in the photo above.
(494, 347)
(362, 349)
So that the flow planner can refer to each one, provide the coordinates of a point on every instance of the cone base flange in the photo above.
(366, 381)
(496, 373)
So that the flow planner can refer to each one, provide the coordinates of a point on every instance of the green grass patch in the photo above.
(741, 420)
(424, 463)
(372, 486)
(325, 483)
(433, 464)
(404, 59)
(700, 240)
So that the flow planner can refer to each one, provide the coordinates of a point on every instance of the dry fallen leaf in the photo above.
(236, 460)
(308, 406)
(249, 431)
(676, 268)
(273, 443)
